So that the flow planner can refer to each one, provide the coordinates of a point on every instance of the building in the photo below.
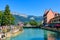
(21, 24)
(48, 16)
(56, 19)
(55, 22)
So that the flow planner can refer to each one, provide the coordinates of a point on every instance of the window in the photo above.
(59, 19)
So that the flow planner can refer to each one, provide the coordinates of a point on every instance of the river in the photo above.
(37, 34)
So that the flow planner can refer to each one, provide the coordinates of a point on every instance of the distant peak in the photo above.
(32, 18)
(20, 14)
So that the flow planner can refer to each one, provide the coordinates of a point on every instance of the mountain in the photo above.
(26, 18)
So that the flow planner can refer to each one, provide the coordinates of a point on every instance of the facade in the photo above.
(56, 19)
(21, 24)
(51, 17)
(48, 15)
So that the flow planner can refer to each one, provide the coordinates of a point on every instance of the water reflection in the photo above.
(48, 35)
(37, 34)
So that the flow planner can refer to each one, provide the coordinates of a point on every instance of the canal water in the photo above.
(36, 34)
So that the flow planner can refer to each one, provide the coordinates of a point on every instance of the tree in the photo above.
(33, 22)
(41, 24)
(7, 18)
(25, 23)
(0, 17)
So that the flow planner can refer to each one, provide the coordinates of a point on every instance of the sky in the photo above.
(31, 7)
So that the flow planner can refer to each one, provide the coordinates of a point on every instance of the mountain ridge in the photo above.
(26, 18)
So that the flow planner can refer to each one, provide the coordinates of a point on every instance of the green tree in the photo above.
(40, 24)
(33, 22)
(25, 23)
(0, 17)
(7, 18)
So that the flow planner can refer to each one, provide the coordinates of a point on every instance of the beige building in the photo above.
(56, 19)
(48, 16)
